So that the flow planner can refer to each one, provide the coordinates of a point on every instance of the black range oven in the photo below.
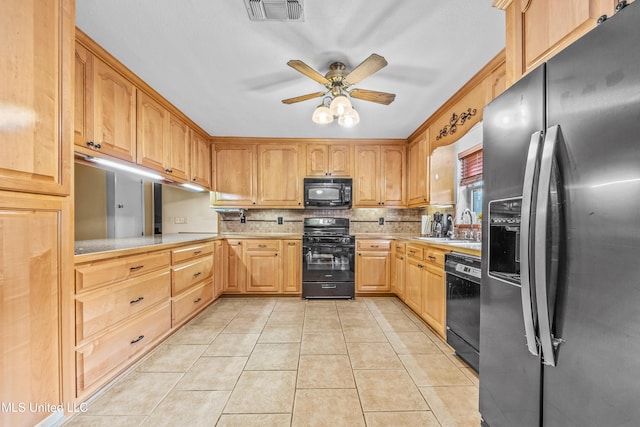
(327, 259)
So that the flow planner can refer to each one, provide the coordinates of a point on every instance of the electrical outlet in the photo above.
(380, 221)
(179, 220)
(280, 220)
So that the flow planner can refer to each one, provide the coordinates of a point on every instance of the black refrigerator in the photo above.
(560, 300)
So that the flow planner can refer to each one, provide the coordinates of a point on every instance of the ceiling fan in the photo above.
(338, 81)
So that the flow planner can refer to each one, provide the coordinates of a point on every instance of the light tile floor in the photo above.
(291, 362)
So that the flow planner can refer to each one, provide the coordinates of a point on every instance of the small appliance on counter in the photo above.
(442, 224)
(426, 226)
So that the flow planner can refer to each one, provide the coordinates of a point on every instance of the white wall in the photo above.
(192, 206)
(471, 138)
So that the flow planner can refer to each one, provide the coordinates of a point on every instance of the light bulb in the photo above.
(322, 115)
(349, 119)
(340, 105)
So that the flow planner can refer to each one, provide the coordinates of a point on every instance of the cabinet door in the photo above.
(316, 160)
(263, 271)
(279, 180)
(152, 132)
(83, 107)
(35, 263)
(366, 180)
(442, 168)
(434, 299)
(393, 176)
(372, 271)
(398, 276)
(413, 288)
(236, 185)
(178, 149)
(36, 96)
(339, 160)
(236, 273)
(418, 171)
(292, 266)
(200, 160)
(114, 113)
(220, 253)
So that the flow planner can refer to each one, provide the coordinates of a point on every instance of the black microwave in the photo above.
(327, 193)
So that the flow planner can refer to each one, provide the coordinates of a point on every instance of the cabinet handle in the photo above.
(421, 266)
(262, 246)
(401, 258)
(193, 179)
(136, 300)
(276, 254)
(197, 252)
(197, 274)
(374, 246)
(291, 244)
(90, 143)
(137, 267)
(168, 170)
(197, 300)
(137, 339)
(432, 258)
(98, 146)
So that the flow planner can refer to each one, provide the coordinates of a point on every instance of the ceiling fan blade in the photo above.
(307, 71)
(303, 97)
(373, 96)
(367, 67)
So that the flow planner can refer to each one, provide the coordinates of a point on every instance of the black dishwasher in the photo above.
(463, 306)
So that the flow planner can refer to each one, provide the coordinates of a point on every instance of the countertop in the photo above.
(144, 243)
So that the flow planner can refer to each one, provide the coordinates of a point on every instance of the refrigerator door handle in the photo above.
(548, 342)
(530, 175)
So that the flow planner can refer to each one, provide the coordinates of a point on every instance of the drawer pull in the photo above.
(262, 246)
(197, 300)
(137, 339)
(137, 300)
(328, 286)
(420, 265)
(197, 252)
(432, 258)
(137, 267)
(291, 244)
(412, 252)
(374, 246)
(197, 274)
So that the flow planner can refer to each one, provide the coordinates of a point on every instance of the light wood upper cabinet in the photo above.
(83, 102)
(538, 29)
(178, 149)
(235, 185)
(279, 177)
(329, 160)
(442, 167)
(152, 132)
(380, 176)
(418, 162)
(36, 96)
(200, 160)
(113, 101)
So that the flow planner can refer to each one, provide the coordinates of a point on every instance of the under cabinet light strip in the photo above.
(125, 168)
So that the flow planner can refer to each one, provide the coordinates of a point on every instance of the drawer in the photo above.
(96, 359)
(189, 252)
(373, 245)
(101, 273)
(434, 257)
(399, 247)
(415, 252)
(263, 245)
(190, 302)
(105, 307)
(186, 275)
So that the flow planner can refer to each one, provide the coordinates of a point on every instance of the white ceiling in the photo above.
(229, 74)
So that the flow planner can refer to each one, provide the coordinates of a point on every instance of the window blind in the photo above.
(471, 165)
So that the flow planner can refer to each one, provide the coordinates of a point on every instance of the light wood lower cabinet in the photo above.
(99, 359)
(191, 301)
(219, 275)
(414, 284)
(263, 266)
(398, 270)
(373, 265)
(434, 299)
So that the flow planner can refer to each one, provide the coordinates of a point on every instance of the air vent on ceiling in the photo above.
(275, 10)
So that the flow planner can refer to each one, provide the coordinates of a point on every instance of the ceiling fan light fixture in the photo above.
(322, 115)
(349, 119)
(340, 105)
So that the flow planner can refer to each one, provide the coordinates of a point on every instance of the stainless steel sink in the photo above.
(462, 243)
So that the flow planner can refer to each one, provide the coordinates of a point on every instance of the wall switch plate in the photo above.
(280, 220)
(180, 220)
(380, 221)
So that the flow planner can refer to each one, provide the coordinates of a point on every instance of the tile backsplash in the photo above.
(362, 220)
